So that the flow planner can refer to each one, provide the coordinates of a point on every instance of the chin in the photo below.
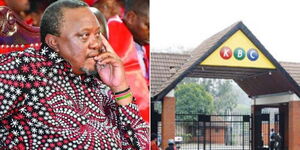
(146, 41)
(89, 71)
(89, 67)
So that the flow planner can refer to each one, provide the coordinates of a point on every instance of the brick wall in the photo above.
(168, 120)
(294, 125)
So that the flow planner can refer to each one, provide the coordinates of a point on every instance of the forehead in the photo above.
(143, 18)
(78, 17)
(142, 13)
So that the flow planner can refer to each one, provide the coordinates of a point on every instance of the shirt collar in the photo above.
(50, 54)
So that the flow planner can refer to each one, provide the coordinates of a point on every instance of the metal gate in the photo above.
(213, 132)
(263, 125)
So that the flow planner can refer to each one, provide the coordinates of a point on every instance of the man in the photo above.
(272, 139)
(137, 21)
(171, 145)
(154, 141)
(109, 8)
(70, 94)
(121, 39)
(36, 10)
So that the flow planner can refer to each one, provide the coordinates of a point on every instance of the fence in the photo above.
(213, 132)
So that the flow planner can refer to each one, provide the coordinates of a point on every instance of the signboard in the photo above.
(238, 51)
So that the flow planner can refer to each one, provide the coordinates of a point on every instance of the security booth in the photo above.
(234, 53)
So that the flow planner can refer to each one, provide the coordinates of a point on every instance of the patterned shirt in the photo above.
(43, 105)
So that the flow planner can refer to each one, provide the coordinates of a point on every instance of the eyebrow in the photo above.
(89, 28)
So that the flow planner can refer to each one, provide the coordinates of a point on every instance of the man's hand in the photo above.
(111, 70)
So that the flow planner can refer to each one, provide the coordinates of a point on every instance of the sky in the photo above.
(184, 24)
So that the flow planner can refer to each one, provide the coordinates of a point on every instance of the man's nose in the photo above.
(95, 43)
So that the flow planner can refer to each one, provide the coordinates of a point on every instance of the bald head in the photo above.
(53, 17)
(140, 7)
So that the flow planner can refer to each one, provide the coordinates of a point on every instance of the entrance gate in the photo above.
(263, 123)
(213, 132)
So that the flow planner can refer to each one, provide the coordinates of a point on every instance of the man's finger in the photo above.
(104, 55)
(107, 45)
(108, 61)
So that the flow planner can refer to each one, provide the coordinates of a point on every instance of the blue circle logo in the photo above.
(252, 54)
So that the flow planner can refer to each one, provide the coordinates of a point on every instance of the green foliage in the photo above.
(203, 96)
(224, 96)
(193, 99)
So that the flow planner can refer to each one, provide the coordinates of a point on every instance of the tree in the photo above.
(225, 97)
(191, 98)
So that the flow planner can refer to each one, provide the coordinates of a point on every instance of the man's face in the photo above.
(79, 41)
(140, 29)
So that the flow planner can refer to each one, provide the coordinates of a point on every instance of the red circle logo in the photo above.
(226, 52)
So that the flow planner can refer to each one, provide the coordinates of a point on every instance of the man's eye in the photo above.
(84, 36)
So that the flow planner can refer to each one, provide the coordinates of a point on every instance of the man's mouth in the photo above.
(92, 55)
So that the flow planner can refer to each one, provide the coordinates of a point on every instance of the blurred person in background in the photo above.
(34, 14)
(18, 6)
(137, 21)
(110, 8)
(154, 145)
(171, 145)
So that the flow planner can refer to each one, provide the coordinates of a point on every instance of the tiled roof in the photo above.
(167, 70)
(293, 68)
(165, 65)
(161, 78)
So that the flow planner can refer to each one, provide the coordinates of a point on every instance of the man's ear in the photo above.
(51, 41)
(130, 17)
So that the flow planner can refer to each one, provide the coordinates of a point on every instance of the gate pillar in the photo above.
(294, 125)
(256, 127)
(168, 119)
